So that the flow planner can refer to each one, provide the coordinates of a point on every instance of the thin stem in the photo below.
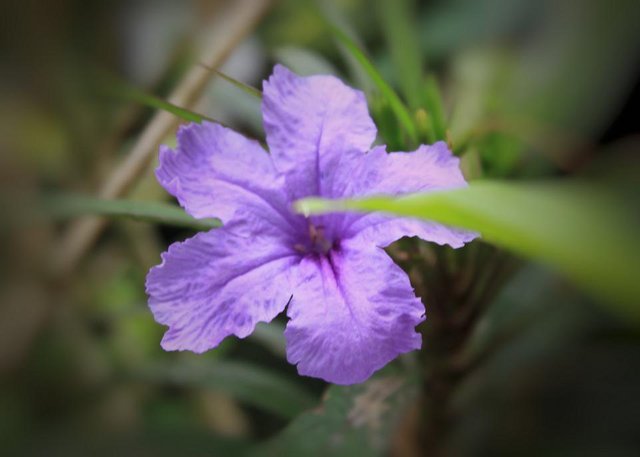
(459, 288)
(235, 21)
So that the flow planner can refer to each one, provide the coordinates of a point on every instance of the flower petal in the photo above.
(310, 123)
(430, 167)
(216, 172)
(427, 169)
(382, 230)
(218, 284)
(352, 313)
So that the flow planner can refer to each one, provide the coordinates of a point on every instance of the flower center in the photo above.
(316, 242)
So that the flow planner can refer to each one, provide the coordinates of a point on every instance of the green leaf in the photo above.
(248, 383)
(66, 206)
(123, 90)
(400, 110)
(387, 124)
(433, 103)
(271, 336)
(331, 15)
(239, 84)
(398, 23)
(580, 229)
(353, 420)
(530, 298)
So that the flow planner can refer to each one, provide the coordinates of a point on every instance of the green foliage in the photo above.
(387, 123)
(386, 91)
(125, 91)
(353, 420)
(451, 26)
(435, 110)
(500, 154)
(400, 32)
(67, 206)
(249, 383)
(583, 231)
(271, 337)
(239, 84)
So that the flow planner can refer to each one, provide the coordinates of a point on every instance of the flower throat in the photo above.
(317, 242)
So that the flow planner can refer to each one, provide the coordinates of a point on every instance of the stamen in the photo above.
(317, 241)
(313, 233)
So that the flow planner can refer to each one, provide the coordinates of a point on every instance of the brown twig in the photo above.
(236, 20)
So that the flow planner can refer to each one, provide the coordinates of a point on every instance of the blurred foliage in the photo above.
(357, 420)
(157, 212)
(515, 361)
(387, 93)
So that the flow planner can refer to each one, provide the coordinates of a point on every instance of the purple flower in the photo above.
(351, 309)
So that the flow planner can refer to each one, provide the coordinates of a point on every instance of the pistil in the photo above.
(317, 241)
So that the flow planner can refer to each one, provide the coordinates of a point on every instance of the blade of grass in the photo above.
(332, 15)
(433, 103)
(69, 206)
(121, 89)
(400, 32)
(398, 107)
(239, 84)
(583, 231)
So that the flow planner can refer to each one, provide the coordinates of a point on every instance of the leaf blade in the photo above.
(239, 84)
(434, 105)
(574, 227)
(353, 420)
(397, 19)
(121, 89)
(249, 383)
(68, 206)
(398, 107)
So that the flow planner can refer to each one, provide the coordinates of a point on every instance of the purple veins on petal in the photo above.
(351, 309)
(216, 172)
(310, 123)
(218, 284)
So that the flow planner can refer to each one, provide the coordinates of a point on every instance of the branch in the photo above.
(235, 22)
